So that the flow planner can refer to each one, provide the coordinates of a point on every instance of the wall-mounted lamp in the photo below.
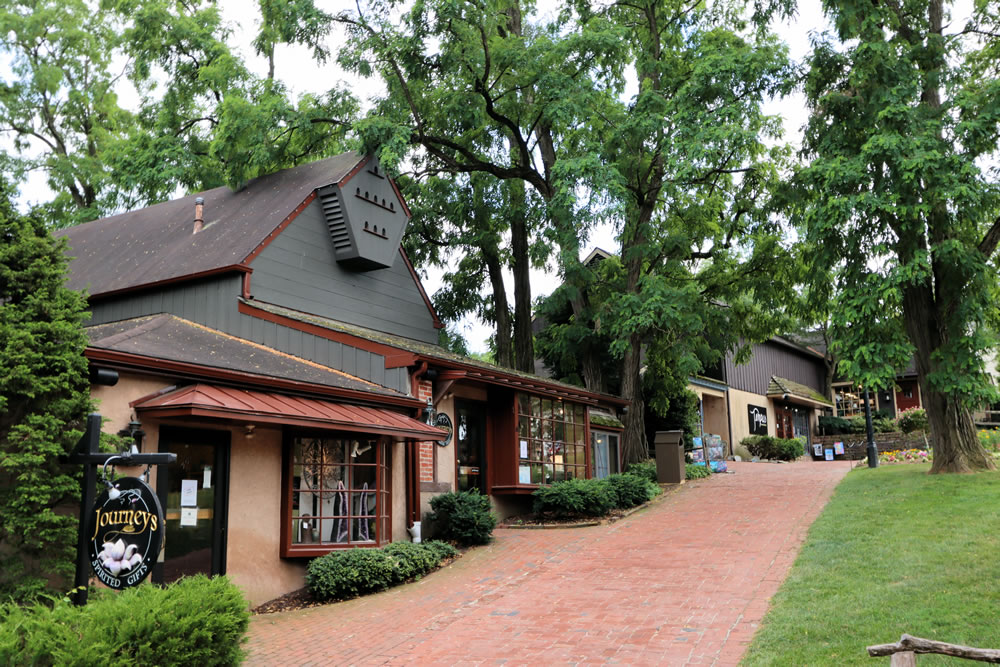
(133, 430)
(248, 431)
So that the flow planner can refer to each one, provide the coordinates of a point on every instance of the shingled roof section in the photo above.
(156, 244)
(171, 338)
(782, 386)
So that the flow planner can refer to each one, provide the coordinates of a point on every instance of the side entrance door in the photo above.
(194, 493)
(783, 416)
(470, 445)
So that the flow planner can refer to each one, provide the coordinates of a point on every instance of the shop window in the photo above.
(337, 493)
(552, 438)
(604, 453)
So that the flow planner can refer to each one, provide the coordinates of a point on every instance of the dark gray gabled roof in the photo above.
(156, 244)
(171, 338)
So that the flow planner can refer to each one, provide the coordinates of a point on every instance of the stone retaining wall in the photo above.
(856, 446)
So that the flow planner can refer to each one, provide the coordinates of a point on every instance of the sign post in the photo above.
(87, 452)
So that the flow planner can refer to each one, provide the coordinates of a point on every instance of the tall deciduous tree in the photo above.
(694, 173)
(59, 106)
(899, 196)
(44, 396)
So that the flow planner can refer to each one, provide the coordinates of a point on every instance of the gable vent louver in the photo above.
(335, 220)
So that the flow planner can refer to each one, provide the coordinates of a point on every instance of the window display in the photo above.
(339, 493)
(551, 439)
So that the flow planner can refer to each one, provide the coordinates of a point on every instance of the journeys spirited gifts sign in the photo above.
(124, 533)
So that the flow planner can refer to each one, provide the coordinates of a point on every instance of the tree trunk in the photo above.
(501, 311)
(635, 447)
(953, 433)
(524, 342)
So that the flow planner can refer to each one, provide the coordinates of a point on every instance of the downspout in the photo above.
(412, 474)
(729, 424)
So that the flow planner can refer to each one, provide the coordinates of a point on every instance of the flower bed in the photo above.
(906, 456)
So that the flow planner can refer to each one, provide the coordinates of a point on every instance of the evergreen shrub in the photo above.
(195, 621)
(575, 497)
(463, 517)
(692, 471)
(352, 572)
(630, 490)
(777, 449)
(645, 469)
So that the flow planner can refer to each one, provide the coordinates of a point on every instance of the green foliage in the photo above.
(644, 469)
(453, 341)
(349, 573)
(44, 397)
(352, 572)
(630, 490)
(776, 449)
(196, 620)
(464, 517)
(914, 419)
(574, 498)
(899, 197)
(692, 471)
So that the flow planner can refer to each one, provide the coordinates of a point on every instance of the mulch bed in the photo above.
(303, 599)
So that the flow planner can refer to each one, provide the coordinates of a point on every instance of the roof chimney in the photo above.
(199, 220)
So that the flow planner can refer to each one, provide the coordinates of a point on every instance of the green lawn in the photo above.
(896, 550)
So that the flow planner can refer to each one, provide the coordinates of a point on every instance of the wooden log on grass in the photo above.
(913, 645)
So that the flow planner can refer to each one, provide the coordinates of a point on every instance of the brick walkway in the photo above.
(683, 582)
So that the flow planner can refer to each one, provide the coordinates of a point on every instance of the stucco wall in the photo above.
(253, 551)
(738, 402)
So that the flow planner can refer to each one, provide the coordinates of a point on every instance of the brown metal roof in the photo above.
(171, 338)
(206, 400)
(156, 244)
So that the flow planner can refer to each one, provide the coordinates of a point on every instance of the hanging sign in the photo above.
(124, 533)
(757, 416)
(442, 420)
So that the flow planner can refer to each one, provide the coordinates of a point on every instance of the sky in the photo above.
(295, 67)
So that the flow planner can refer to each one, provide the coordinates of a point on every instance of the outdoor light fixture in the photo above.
(134, 431)
(429, 411)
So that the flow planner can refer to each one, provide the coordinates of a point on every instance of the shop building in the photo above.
(280, 342)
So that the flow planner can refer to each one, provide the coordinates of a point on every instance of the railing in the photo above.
(904, 652)
(986, 417)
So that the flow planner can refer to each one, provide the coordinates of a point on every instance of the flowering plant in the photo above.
(989, 439)
(906, 456)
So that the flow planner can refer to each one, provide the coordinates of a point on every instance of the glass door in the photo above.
(194, 492)
(604, 453)
(470, 443)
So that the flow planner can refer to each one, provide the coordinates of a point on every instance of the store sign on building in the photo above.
(125, 530)
(444, 421)
(757, 416)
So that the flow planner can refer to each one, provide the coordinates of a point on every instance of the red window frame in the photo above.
(545, 424)
(293, 521)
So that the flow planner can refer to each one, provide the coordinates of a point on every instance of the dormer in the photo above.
(366, 218)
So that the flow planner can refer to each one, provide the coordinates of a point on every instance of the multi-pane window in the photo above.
(552, 440)
(339, 492)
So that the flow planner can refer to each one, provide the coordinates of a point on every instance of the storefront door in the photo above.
(784, 418)
(194, 492)
(470, 439)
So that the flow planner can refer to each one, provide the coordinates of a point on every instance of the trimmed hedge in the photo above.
(353, 572)
(195, 621)
(767, 447)
(593, 497)
(692, 471)
(463, 517)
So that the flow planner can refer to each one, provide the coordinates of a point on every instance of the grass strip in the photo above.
(896, 550)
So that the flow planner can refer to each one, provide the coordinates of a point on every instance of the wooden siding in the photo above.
(298, 270)
(213, 303)
(769, 359)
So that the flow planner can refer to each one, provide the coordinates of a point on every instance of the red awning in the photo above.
(205, 400)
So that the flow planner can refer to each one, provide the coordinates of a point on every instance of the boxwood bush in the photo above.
(463, 517)
(352, 572)
(195, 621)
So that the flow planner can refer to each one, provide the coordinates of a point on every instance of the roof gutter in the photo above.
(232, 268)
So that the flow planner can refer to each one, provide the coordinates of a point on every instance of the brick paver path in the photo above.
(683, 582)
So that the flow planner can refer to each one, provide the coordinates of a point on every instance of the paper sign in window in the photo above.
(524, 449)
(189, 516)
(189, 493)
(524, 474)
